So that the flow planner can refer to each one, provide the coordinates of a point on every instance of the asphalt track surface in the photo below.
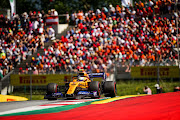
(5, 106)
(40, 106)
(164, 106)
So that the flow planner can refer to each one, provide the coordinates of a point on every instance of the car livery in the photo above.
(83, 86)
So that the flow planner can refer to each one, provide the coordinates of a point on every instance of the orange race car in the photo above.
(83, 86)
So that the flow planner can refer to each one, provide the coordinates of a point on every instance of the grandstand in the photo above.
(133, 35)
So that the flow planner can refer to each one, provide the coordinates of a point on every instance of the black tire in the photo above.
(52, 98)
(110, 89)
(52, 88)
(95, 86)
(66, 87)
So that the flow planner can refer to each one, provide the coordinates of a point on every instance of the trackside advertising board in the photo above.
(151, 72)
(60, 79)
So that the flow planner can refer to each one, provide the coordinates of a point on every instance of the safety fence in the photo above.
(4, 83)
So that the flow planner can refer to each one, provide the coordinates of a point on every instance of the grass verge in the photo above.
(134, 87)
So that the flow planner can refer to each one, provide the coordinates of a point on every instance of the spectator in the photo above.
(51, 33)
(67, 17)
(1, 74)
(35, 71)
(176, 88)
(158, 88)
(147, 90)
(54, 12)
(21, 70)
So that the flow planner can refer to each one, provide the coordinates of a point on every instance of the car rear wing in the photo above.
(96, 75)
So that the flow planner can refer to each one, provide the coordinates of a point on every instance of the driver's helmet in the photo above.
(80, 78)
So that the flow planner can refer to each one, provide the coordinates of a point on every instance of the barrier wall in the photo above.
(60, 79)
(38, 80)
(151, 72)
(53, 21)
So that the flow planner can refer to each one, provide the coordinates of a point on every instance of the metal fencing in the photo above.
(4, 84)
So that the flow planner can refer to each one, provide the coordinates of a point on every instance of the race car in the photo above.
(83, 86)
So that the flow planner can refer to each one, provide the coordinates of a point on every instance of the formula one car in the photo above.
(83, 86)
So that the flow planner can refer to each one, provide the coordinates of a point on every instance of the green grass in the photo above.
(135, 87)
(34, 97)
(36, 94)
(124, 87)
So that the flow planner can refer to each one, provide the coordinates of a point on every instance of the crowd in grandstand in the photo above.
(20, 37)
(132, 36)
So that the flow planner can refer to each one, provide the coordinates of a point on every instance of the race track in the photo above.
(31, 107)
(6, 106)
(160, 106)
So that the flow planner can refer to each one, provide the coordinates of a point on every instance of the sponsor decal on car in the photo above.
(95, 93)
(83, 93)
(57, 94)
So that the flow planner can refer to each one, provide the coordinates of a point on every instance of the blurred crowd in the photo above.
(132, 36)
(21, 36)
(139, 35)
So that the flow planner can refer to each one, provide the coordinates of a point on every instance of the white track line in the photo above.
(50, 105)
(61, 103)
(26, 109)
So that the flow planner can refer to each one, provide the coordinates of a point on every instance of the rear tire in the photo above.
(110, 89)
(95, 86)
(52, 88)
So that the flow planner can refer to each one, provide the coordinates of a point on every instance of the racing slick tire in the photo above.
(95, 86)
(110, 89)
(52, 88)
(66, 87)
